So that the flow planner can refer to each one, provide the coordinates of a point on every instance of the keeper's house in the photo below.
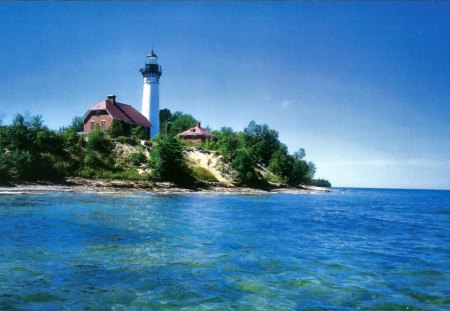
(102, 115)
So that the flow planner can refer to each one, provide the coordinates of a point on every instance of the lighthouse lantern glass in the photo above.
(152, 60)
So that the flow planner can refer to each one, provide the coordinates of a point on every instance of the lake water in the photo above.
(352, 249)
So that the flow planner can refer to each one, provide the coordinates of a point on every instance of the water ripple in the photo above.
(354, 249)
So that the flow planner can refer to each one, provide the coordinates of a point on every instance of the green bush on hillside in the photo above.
(203, 174)
(137, 158)
(167, 161)
(29, 150)
(117, 129)
(139, 133)
(244, 164)
(98, 154)
(258, 144)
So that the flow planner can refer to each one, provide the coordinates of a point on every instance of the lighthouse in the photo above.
(150, 96)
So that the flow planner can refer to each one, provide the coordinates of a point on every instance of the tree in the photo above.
(4, 169)
(281, 162)
(299, 173)
(117, 129)
(300, 154)
(165, 120)
(181, 122)
(262, 140)
(77, 124)
(320, 183)
(98, 154)
(73, 144)
(165, 115)
(228, 143)
(35, 122)
(167, 161)
(295, 170)
(139, 132)
(311, 170)
(244, 164)
(175, 123)
(29, 150)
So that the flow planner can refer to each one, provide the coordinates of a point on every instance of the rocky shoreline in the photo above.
(82, 185)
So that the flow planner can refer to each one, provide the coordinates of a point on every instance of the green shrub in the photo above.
(167, 161)
(203, 174)
(139, 133)
(29, 150)
(86, 172)
(126, 140)
(321, 183)
(137, 158)
(98, 154)
(133, 174)
(117, 129)
(273, 178)
(244, 164)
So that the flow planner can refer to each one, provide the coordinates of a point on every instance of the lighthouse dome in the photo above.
(152, 58)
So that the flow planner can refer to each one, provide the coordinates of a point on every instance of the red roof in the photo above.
(197, 130)
(123, 112)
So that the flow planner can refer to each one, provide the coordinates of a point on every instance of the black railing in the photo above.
(151, 69)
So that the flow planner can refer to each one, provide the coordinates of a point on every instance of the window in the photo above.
(92, 125)
(103, 124)
(97, 113)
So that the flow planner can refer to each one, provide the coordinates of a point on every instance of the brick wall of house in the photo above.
(96, 117)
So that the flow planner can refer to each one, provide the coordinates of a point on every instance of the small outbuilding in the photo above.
(102, 115)
(197, 134)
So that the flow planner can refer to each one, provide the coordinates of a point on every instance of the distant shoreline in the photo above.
(81, 185)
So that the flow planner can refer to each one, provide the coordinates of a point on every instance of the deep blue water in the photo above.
(353, 249)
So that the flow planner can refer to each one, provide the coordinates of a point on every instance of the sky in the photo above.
(363, 87)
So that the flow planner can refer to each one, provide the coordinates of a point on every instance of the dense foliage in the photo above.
(117, 129)
(139, 133)
(321, 183)
(259, 146)
(29, 151)
(167, 161)
(98, 154)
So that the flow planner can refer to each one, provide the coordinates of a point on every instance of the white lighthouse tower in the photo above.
(150, 97)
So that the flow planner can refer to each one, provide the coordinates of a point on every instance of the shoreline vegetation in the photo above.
(34, 158)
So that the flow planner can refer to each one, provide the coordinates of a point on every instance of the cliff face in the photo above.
(211, 161)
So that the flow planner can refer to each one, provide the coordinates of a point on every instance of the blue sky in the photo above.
(363, 87)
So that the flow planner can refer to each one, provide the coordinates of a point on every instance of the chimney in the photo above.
(198, 125)
(112, 98)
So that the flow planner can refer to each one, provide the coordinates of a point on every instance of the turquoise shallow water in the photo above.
(353, 249)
